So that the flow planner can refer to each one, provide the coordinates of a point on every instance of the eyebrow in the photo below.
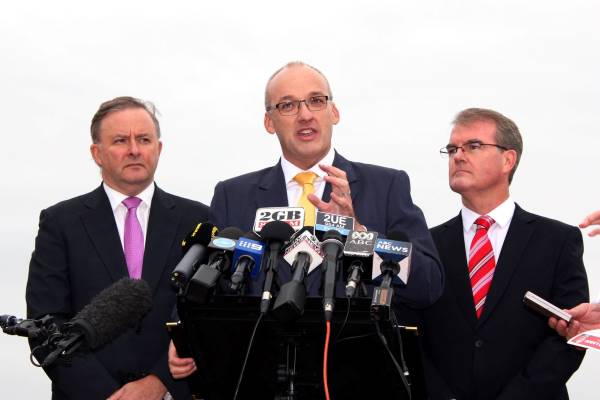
(468, 141)
(311, 94)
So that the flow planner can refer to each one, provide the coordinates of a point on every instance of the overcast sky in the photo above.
(399, 72)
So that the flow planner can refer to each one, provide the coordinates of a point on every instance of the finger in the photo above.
(552, 322)
(593, 218)
(561, 328)
(317, 202)
(116, 395)
(579, 311)
(573, 329)
(337, 182)
(333, 171)
(594, 232)
(344, 204)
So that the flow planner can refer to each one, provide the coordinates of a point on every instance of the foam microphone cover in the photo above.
(276, 231)
(202, 235)
(231, 232)
(115, 309)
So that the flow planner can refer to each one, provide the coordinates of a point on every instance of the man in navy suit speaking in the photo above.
(300, 111)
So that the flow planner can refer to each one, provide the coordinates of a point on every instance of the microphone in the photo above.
(195, 251)
(115, 309)
(207, 276)
(358, 258)
(386, 267)
(304, 255)
(328, 221)
(293, 216)
(275, 234)
(247, 259)
(333, 248)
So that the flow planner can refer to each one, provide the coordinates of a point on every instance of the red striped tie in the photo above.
(481, 263)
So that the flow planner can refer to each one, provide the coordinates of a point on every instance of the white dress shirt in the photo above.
(120, 211)
(497, 233)
(294, 189)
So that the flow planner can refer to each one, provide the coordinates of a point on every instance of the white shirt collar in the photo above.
(116, 198)
(501, 214)
(290, 170)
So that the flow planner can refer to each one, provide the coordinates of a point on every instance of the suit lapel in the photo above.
(272, 190)
(162, 231)
(99, 222)
(517, 237)
(454, 258)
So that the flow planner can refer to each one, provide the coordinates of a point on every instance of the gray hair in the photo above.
(119, 104)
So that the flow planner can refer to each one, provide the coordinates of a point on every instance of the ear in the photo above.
(510, 159)
(96, 154)
(269, 123)
(159, 147)
(335, 113)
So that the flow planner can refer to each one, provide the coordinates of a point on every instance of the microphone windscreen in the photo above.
(115, 309)
(231, 232)
(252, 236)
(202, 234)
(333, 234)
(276, 231)
(398, 235)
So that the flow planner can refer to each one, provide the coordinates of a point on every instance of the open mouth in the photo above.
(306, 133)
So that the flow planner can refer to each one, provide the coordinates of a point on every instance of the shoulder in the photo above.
(182, 203)
(438, 230)
(385, 173)
(250, 178)
(548, 226)
(75, 205)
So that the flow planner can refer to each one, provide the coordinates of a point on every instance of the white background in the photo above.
(399, 71)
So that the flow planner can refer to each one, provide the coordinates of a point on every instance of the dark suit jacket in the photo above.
(382, 202)
(510, 352)
(77, 254)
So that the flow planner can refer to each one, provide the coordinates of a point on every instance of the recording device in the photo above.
(195, 251)
(115, 309)
(206, 278)
(293, 216)
(327, 221)
(333, 249)
(274, 234)
(304, 255)
(544, 307)
(179, 338)
(358, 258)
(247, 260)
(391, 252)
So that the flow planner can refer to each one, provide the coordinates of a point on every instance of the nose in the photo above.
(133, 146)
(303, 112)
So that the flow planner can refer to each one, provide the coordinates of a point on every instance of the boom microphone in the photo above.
(195, 252)
(115, 309)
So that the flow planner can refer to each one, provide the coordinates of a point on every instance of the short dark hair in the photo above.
(507, 132)
(119, 104)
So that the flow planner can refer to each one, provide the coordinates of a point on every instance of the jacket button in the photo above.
(479, 343)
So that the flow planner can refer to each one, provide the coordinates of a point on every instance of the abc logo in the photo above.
(356, 235)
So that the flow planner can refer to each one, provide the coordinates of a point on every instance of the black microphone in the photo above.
(358, 258)
(333, 249)
(304, 255)
(275, 234)
(195, 251)
(206, 278)
(247, 260)
(115, 309)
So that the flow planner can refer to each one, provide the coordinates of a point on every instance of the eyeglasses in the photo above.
(292, 107)
(469, 148)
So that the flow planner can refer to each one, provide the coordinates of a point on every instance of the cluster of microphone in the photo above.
(232, 262)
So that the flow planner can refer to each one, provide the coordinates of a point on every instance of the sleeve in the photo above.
(554, 361)
(48, 292)
(425, 281)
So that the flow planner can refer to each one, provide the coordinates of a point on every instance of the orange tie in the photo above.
(306, 180)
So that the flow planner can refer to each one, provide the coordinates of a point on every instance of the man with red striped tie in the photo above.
(480, 342)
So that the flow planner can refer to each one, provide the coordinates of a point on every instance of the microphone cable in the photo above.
(239, 382)
(325, 358)
(398, 367)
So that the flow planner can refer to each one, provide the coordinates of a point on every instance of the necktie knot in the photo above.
(484, 222)
(132, 202)
(305, 178)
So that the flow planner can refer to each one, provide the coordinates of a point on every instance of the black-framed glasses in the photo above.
(292, 107)
(469, 148)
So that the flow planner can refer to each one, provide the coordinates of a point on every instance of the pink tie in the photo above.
(133, 238)
(481, 263)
